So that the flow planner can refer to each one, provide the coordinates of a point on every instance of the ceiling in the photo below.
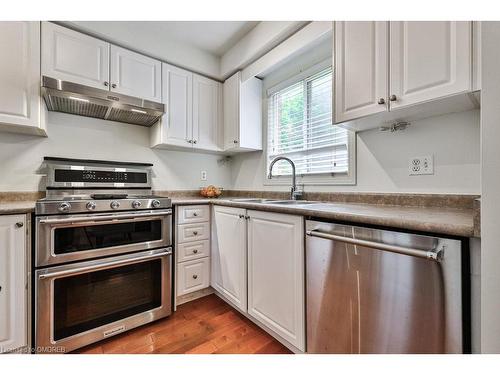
(214, 37)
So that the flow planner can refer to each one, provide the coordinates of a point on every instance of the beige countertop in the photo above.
(448, 221)
(16, 207)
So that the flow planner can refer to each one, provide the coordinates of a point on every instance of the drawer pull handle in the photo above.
(195, 251)
(195, 233)
(19, 224)
(195, 277)
(195, 214)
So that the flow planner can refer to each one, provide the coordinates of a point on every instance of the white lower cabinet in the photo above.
(229, 255)
(192, 250)
(276, 274)
(193, 275)
(258, 266)
(13, 283)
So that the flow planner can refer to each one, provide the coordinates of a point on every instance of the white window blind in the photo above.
(300, 128)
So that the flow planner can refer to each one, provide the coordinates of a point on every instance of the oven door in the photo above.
(83, 303)
(65, 238)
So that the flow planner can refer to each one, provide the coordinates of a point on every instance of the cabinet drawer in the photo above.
(193, 275)
(193, 232)
(193, 214)
(192, 250)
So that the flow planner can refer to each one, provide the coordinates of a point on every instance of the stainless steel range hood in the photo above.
(68, 97)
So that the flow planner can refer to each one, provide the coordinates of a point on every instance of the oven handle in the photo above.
(104, 217)
(104, 265)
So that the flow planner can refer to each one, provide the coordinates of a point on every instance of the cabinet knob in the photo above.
(19, 224)
(195, 233)
(195, 214)
(189, 141)
(235, 141)
(195, 251)
(381, 101)
(247, 217)
(106, 83)
(242, 216)
(113, 85)
(393, 98)
(195, 277)
(195, 141)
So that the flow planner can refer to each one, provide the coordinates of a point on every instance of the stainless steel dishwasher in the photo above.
(379, 291)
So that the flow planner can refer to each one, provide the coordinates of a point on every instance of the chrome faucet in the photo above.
(294, 193)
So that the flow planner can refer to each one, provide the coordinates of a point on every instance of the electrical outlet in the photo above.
(203, 175)
(420, 165)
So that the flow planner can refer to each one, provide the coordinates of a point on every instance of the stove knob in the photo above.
(136, 204)
(91, 206)
(64, 207)
(155, 203)
(114, 205)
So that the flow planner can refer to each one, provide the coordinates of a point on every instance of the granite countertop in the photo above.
(448, 221)
(17, 207)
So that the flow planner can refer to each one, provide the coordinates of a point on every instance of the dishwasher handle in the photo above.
(435, 255)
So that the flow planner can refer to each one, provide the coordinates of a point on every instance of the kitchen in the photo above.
(248, 187)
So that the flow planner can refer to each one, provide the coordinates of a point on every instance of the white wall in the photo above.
(81, 137)
(490, 188)
(382, 159)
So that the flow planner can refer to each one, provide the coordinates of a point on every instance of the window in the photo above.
(300, 128)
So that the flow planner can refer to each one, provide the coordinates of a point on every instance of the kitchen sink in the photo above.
(292, 202)
(253, 200)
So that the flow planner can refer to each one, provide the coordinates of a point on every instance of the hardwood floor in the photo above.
(204, 326)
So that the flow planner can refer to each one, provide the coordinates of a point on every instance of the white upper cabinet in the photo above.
(429, 60)
(13, 282)
(206, 113)
(385, 67)
(20, 104)
(229, 250)
(276, 274)
(176, 125)
(242, 114)
(361, 62)
(72, 56)
(135, 74)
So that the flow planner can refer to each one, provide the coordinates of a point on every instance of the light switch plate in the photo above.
(203, 175)
(421, 165)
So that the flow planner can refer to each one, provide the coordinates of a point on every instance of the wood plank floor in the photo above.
(204, 326)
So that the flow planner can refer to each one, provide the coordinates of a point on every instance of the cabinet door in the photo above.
(361, 69)
(228, 254)
(276, 274)
(20, 73)
(135, 74)
(231, 108)
(429, 60)
(206, 96)
(13, 282)
(177, 123)
(72, 56)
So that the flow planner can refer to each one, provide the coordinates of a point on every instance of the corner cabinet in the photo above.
(384, 67)
(21, 108)
(13, 283)
(242, 114)
(193, 111)
(229, 254)
(258, 267)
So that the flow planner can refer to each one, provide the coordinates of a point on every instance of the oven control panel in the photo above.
(99, 176)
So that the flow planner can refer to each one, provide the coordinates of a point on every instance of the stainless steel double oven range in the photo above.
(102, 253)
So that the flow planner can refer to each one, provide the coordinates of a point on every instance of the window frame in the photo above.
(348, 178)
